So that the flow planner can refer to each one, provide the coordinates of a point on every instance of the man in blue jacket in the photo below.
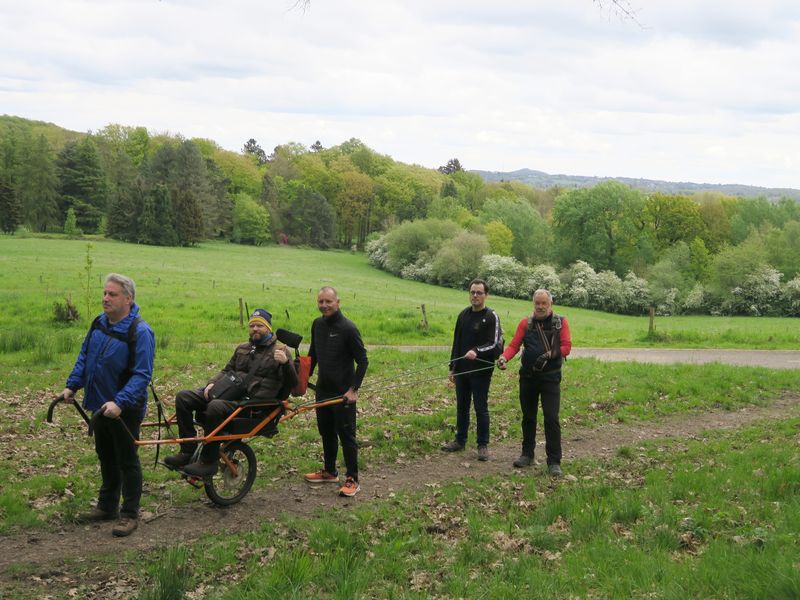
(116, 385)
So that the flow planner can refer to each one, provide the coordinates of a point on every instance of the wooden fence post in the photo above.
(424, 318)
(241, 314)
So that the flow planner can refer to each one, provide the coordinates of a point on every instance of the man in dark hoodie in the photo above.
(263, 367)
(337, 348)
(115, 384)
(477, 342)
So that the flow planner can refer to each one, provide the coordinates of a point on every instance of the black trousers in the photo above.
(120, 468)
(532, 390)
(336, 424)
(189, 403)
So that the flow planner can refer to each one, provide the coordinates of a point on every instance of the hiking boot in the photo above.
(523, 461)
(95, 515)
(201, 469)
(483, 453)
(453, 446)
(321, 476)
(555, 470)
(176, 461)
(350, 488)
(125, 526)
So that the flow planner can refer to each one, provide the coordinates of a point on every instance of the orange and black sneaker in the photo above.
(321, 476)
(350, 488)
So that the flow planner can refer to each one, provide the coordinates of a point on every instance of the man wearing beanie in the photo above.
(335, 345)
(262, 366)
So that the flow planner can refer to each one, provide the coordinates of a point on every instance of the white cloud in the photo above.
(703, 91)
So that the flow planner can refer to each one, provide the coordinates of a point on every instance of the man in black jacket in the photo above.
(477, 342)
(335, 346)
(265, 371)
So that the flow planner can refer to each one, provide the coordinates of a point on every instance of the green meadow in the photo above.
(711, 517)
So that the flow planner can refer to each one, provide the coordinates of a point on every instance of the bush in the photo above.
(544, 277)
(415, 241)
(459, 259)
(790, 297)
(66, 312)
(697, 301)
(580, 280)
(377, 252)
(506, 276)
(636, 293)
(759, 294)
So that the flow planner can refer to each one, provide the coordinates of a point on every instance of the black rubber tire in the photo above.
(223, 488)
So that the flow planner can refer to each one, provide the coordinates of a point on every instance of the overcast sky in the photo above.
(698, 90)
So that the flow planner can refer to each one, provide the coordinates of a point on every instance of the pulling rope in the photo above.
(374, 383)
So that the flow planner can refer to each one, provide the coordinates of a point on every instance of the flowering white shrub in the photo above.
(580, 280)
(607, 293)
(758, 294)
(636, 293)
(790, 298)
(668, 304)
(545, 277)
(419, 271)
(506, 276)
(377, 251)
(696, 300)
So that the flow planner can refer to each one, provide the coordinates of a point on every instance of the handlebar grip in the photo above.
(52, 407)
(93, 422)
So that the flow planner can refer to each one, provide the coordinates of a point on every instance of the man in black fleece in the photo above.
(477, 342)
(335, 346)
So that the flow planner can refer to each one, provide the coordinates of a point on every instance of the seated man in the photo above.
(265, 370)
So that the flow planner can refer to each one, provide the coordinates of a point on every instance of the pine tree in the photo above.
(82, 183)
(10, 209)
(36, 184)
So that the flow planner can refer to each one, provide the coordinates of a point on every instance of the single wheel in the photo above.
(235, 476)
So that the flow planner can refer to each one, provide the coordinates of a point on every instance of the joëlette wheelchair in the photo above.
(237, 461)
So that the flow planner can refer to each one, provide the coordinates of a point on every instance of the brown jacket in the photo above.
(267, 379)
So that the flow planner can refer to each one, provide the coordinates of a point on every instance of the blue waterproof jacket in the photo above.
(103, 360)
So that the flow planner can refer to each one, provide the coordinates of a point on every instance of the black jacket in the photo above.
(335, 345)
(490, 343)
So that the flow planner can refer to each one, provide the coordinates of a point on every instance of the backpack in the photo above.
(129, 338)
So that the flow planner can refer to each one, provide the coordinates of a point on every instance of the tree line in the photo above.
(610, 246)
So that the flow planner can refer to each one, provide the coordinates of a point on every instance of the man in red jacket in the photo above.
(546, 342)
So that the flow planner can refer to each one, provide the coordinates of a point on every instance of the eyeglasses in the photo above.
(476, 293)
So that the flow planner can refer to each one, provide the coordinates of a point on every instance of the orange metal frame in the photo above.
(216, 436)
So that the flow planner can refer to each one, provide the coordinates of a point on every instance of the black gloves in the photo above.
(541, 361)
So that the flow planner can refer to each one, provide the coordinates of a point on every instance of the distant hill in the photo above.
(542, 180)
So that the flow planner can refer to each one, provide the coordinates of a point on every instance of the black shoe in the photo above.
(95, 515)
(555, 470)
(176, 461)
(483, 453)
(201, 469)
(523, 461)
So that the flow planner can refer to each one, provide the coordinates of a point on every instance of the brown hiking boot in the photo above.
(453, 446)
(483, 453)
(125, 526)
(95, 515)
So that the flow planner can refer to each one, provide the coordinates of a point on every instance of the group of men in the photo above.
(115, 366)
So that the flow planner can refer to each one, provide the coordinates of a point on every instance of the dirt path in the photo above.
(773, 359)
(47, 550)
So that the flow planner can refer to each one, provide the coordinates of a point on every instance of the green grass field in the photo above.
(658, 521)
